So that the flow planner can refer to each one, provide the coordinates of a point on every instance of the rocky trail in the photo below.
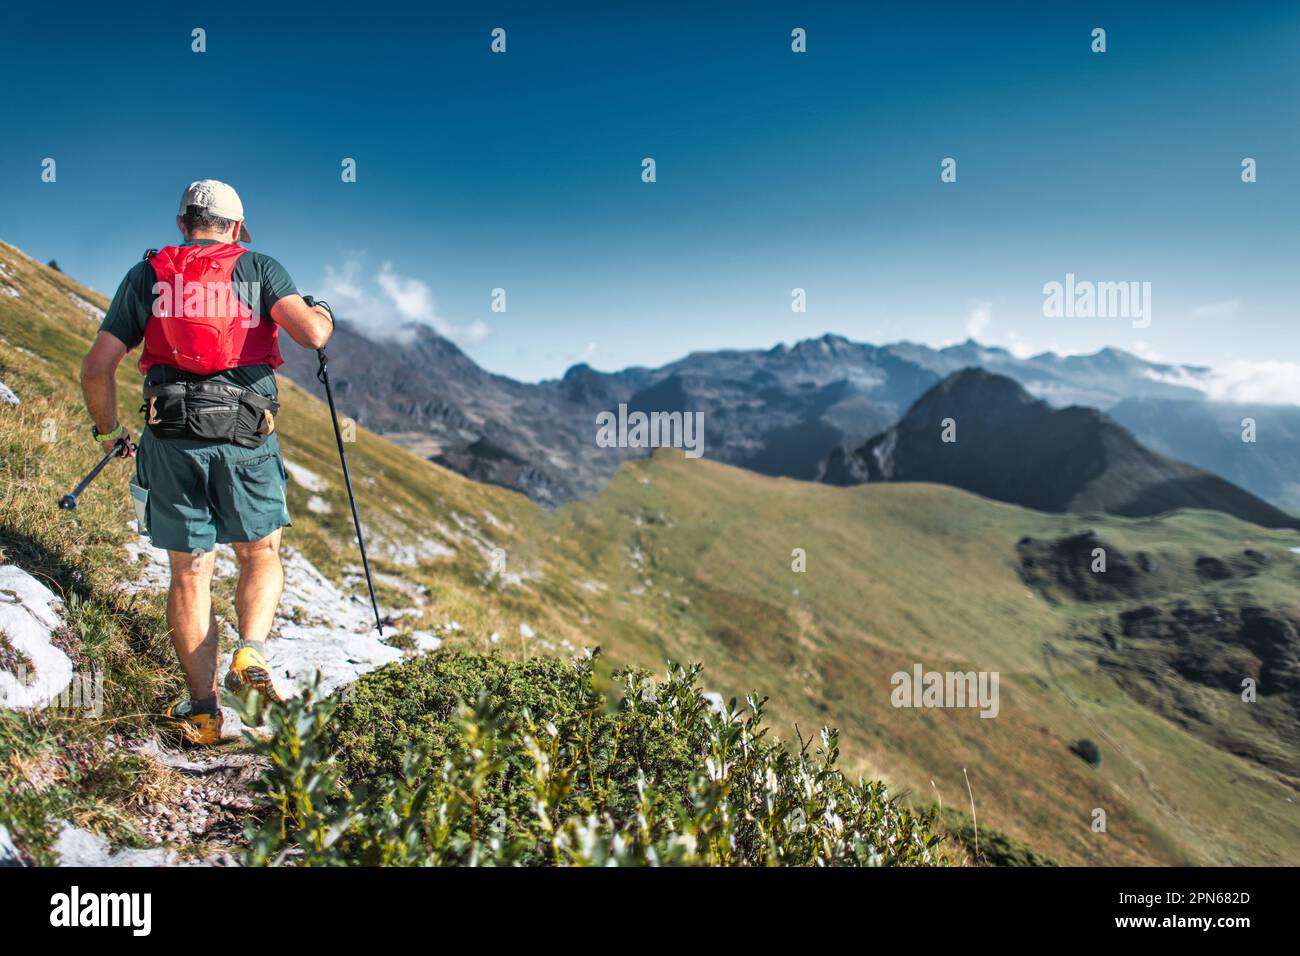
(197, 815)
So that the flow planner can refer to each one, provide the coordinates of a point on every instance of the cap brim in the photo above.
(243, 233)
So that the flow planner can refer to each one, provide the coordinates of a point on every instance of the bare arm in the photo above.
(309, 326)
(99, 382)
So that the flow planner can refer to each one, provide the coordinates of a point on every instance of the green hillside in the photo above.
(900, 574)
(692, 561)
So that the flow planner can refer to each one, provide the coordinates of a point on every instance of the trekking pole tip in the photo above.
(68, 503)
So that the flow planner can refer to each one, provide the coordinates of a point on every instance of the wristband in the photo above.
(114, 435)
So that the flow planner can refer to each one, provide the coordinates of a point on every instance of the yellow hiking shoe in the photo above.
(250, 672)
(198, 730)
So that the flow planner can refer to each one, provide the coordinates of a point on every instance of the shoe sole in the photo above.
(253, 679)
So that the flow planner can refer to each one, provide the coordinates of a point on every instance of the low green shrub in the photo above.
(460, 759)
(1087, 751)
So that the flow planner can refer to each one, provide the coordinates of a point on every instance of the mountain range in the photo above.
(782, 411)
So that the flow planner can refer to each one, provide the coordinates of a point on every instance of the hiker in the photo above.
(208, 466)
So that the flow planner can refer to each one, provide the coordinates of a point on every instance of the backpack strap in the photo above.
(163, 323)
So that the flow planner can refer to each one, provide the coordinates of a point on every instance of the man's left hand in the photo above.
(127, 450)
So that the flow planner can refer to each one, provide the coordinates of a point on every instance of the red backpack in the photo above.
(198, 322)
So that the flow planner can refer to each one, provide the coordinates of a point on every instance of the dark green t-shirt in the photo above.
(133, 304)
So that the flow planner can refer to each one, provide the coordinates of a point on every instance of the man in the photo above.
(208, 466)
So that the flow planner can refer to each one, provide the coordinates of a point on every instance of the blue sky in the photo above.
(775, 170)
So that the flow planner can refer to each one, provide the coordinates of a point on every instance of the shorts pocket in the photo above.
(256, 504)
(140, 499)
(261, 479)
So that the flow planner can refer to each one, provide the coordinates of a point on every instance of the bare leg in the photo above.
(261, 582)
(192, 623)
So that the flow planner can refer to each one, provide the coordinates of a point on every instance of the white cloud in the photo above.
(1217, 310)
(412, 298)
(386, 303)
(979, 320)
(1021, 348)
(1242, 381)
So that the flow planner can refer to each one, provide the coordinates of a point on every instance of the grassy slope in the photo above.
(692, 560)
(920, 573)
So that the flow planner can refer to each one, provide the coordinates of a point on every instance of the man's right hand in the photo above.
(308, 326)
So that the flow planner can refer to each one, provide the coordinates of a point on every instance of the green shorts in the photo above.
(190, 495)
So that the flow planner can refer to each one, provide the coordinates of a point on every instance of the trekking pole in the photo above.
(323, 376)
(69, 501)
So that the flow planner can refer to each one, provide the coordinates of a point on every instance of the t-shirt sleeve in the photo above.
(131, 305)
(276, 282)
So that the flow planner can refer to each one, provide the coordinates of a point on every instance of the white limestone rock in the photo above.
(30, 613)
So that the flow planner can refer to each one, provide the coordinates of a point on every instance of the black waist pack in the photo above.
(209, 411)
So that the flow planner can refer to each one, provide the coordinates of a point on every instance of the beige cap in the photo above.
(218, 199)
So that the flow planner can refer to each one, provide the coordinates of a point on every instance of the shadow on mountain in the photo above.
(986, 434)
(1207, 491)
